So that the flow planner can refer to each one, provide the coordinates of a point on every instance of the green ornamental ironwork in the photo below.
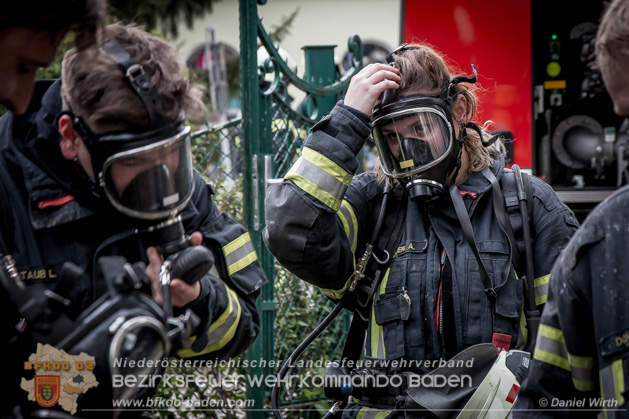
(270, 136)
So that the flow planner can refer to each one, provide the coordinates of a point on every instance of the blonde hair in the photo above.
(612, 39)
(96, 89)
(423, 69)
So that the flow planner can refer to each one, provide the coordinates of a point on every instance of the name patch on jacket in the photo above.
(615, 342)
(412, 246)
(34, 273)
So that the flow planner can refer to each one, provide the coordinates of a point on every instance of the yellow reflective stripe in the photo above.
(583, 385)
(551, 347)
(542, 280)
(541, 289)
(612, 382)
(236, 244)
(523, 329)
(242, 263)
(350, 223)
(320, 177)
(222, 330)
(377, 331)
(582, 371)
(551, 332)
(239, 253)
(372, 413)
(328, 165)
(581, 361)
(619, 381)
(551, 359)
(335, 294)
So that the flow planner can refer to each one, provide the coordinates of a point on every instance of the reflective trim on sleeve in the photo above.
(222, 330)
(541, 289)
(239, 253)
(582, 372)
(612, 380)
(335, 294)
(350, 224)
(551, 349)
(377, 331)
(371, 413)
(320, 177)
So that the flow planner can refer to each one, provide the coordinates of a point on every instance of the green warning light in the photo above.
(553, 37)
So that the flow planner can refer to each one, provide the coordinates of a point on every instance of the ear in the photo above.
(69, 138)
(459, 109)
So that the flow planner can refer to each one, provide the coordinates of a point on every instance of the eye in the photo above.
(419, 128)
(392, 136)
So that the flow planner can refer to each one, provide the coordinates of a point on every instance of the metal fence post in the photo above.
(250, 94)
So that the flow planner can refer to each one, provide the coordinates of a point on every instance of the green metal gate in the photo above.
(273, 133)
(262, 146)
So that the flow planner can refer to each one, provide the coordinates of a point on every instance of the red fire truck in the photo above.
(535, 65)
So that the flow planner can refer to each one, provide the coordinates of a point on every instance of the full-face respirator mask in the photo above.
(415, 138)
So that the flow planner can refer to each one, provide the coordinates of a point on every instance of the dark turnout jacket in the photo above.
(581, 360)
(59, 218)
(320, 217)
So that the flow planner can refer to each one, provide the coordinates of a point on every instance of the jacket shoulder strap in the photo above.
(512, 203)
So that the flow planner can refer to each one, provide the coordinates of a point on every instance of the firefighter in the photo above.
(103, 162)
(30, 32)
(434, 300)
(581, 359)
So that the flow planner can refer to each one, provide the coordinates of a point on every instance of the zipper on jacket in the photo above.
(440, 301)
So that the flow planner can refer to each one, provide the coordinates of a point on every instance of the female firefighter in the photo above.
(434, 299)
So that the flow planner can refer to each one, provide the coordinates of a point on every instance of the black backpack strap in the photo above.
(386, 243)
(512, 202)
(519, 195)
(514, 227)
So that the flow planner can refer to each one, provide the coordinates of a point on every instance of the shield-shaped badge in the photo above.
(47, 389)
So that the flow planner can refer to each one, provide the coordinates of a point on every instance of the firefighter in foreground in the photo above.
(30, 32)
(104, 159)
(581, 359)
(437, 297)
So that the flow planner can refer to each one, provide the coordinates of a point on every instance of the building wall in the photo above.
(319, 22)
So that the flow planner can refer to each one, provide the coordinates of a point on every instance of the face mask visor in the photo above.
(411, 141)
(151, 182)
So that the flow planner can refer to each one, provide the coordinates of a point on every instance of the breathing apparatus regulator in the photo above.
(148, 177)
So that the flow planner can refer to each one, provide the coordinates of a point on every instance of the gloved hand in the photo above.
(182, 292)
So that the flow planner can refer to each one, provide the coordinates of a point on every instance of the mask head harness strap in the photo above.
(139, 81)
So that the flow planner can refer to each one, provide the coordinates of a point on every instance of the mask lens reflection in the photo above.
(151, 182)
